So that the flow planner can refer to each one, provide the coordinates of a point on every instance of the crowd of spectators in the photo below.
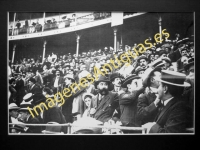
(124, 95)
(55, 24)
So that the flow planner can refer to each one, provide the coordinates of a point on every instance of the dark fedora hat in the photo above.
(142, 57)
(32, 80)
(190, 63)
(173, 78)
(129, 79)
(115, 75)
(101, 79)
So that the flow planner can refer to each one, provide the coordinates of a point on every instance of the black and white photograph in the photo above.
(100, 73)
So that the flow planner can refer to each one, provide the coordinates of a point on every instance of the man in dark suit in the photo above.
(172, 117)
(105, 102)
(20, 89)
(33, 88)
(128, 100)
(116, 80)
(147, 106)
(51, 114)
(67, 106)
(26, 117)
(57, 82)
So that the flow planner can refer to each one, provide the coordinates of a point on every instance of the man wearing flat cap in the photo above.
(128, 101)
(105, 102)
(172, 116)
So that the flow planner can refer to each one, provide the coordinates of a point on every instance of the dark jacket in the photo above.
(35, 89)
(128, 107)
(33, 129)
(146, 109)
(60, 82)
(13, 95)
(67, 108)
(107, 106)
(175, 55)
(172, 118)
(54, 114)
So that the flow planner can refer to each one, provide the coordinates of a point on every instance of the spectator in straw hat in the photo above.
(172, 117)
(26, 117)
(13, 113)
(28, 97)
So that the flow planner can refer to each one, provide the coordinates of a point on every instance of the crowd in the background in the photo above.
(52, 23)
(127, 95)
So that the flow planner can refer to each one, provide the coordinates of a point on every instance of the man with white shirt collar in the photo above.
(173, 116)
(147, 106)
(57, 83)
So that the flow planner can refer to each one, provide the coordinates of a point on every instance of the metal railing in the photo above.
(69, 127)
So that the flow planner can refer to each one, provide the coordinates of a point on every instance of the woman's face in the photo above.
(88, 101)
